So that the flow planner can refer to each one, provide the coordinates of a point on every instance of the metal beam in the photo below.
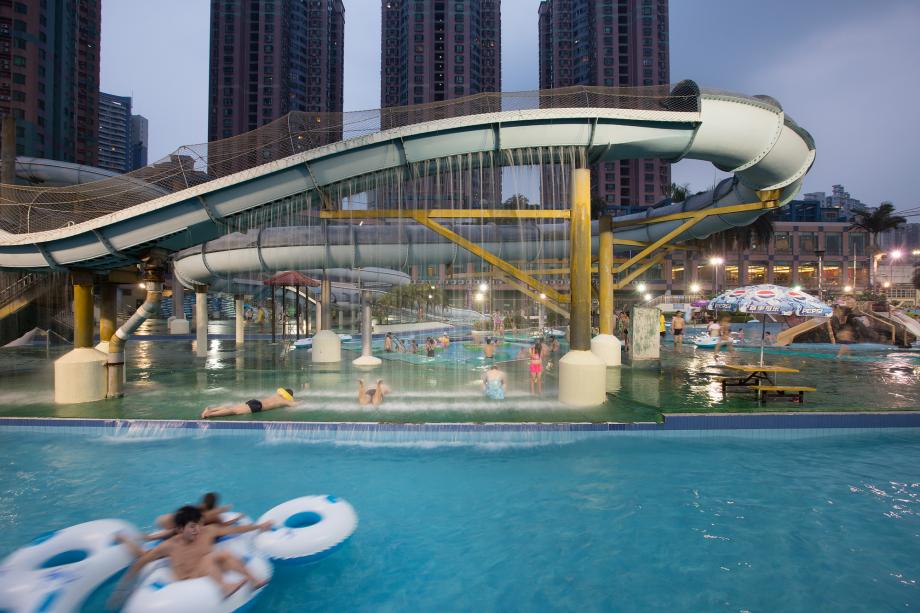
(532, 294)
(447, 214)
(423, 218)
(725, 210)
(659, 243)
(658, 259)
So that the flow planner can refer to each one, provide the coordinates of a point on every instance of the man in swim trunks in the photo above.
(373, 395)
(283, 397)
(210, 514)
(677, 329)
(488, 350)
(191, 554)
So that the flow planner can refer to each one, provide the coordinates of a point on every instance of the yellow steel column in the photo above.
(605, 276)
(82, 311)
(580, 261)
(107, 311)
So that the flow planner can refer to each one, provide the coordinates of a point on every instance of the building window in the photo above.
(857, 243)
(808, 274)
(782, 242)
(782, 273)
(756, 273)
(808, 242)
(833, 243)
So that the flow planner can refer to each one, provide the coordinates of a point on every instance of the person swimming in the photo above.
(493, 383)
(283, 397)
(372, 395)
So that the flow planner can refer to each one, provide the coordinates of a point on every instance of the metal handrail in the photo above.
(16, 288)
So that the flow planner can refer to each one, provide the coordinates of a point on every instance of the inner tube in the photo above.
(158, 590)
(306, 529)
(59, 570)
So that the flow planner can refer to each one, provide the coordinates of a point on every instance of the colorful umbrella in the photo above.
(770, 300)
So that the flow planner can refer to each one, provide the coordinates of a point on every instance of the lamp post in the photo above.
(716, 261)
(820, 254)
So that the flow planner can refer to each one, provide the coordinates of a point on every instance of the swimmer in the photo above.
(488, 350)
(283, 397)
(191, 555)
(373, 395)
(493, 383)
(210, 514)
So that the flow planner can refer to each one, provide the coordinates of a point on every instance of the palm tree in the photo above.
(678, 191)
(874, 223)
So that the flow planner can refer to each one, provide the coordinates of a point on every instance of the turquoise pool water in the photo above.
(729, 521)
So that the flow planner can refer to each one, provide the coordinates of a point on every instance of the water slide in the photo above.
(789, 335)
(750, 137)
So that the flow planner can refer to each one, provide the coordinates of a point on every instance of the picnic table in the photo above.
(752, 375)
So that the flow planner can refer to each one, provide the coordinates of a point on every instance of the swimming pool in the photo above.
(529, 520)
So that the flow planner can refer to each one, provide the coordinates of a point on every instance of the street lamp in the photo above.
(894, 255)
(483, 287)
(641, 288)
(716, 261)
(847, 289)
(694, 288)
(820, 254)
(647, 296)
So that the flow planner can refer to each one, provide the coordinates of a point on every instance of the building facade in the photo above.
(434, 50)
(49, 76)
(271, 57)
(612, 43)
(114, 132)
(138, 142)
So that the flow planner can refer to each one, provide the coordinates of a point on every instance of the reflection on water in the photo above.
(166, 380)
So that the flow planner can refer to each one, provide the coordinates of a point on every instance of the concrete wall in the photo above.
(645, 342)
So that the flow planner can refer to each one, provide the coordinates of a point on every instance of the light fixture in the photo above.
(641, 288)
(478, 297)
(483, 287)
(896, 254)
(141, 285)
(647, 297)
(847, 288)
(542, 296)
(915, 252)
(694, 288)
(432, 288)
(796, 288)
(430, 296)
(886, 284)
(716, 260)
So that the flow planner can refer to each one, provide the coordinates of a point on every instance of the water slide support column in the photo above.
(201, 320)
(327, 346)
(240, 319)
(582, 375)
(79, 375)
(107, 313)
(605, 345)
(179, 324)
(367, 358)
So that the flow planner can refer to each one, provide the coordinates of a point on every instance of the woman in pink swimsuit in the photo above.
(536, 368)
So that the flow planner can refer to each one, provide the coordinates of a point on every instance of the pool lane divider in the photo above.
(672, 422)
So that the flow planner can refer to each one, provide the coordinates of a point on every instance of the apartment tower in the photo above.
(612, 43)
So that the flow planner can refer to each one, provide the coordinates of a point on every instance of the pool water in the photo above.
(167, 381)
(754, 521)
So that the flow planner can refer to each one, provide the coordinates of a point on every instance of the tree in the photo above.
(874, 223)
(416, 298)
(678, 191)
(516, 202)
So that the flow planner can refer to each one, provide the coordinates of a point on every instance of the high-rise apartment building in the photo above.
(138, 142)
(433, 50)
(613, 43)
(270, 57)
(114, 132)
(49, 76)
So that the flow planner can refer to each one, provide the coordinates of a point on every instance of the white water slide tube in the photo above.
(750, 137)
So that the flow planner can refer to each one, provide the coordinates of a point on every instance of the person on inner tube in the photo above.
(210, 514)
(192, 555)
(283, 397)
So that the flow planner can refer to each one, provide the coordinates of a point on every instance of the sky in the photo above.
(840, 68)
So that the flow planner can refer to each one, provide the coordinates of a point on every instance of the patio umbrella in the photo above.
(769, 300)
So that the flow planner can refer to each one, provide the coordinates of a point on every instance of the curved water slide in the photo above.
(750, 137)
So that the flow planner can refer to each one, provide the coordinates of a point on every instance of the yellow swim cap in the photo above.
(285, 394)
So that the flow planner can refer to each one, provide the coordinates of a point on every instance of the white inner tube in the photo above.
(60, 569)
(158, 590)
(306, 529)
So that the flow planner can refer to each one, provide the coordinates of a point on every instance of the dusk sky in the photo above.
(841, 68)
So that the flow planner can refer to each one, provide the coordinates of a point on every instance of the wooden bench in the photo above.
(793, 393)
(728, 381)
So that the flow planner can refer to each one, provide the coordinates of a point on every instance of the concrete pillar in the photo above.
(582, 380)
(367, 330)
(201, 320)
(79, 376)
(326, 299)
(645, 340)
(240, 319)
(341, 319)
(605, 345)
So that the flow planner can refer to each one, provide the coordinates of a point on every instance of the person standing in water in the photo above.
(493, 383)
(677, 329)
(536, 368)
